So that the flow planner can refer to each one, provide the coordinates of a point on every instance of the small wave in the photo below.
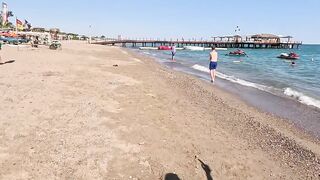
(201, 68)
(150, 54)
(233, 79)
(302, 97)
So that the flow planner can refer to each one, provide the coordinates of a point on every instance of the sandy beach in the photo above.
(101, 112)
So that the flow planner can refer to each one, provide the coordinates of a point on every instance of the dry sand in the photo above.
(72, 114)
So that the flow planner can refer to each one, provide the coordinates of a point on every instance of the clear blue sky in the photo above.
(174, 18)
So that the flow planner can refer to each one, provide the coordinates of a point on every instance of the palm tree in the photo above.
(10, 25)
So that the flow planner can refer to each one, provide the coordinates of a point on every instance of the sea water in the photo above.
(262, 70)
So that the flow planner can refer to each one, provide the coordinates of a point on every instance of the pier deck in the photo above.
(243, 44)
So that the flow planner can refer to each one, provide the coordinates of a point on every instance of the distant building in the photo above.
(38, 29)
(231, 38)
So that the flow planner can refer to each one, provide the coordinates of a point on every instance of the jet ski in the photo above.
(290, 56)
(238, 52)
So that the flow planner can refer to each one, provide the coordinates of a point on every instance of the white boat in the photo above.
(194, 48)
(148, 48)
(217, 49)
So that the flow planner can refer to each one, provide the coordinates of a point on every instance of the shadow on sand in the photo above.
(8, 62)
(205, 167)
(171, 176)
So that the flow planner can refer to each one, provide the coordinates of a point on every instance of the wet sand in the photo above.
(94, 112)
(304, 117)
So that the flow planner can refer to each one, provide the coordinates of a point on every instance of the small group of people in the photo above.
(212, 64)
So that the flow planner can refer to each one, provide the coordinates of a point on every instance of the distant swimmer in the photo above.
(213, 63)
(173, 52)
(293, 63)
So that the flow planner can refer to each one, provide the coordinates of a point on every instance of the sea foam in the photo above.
(233, 79)
(302, 98)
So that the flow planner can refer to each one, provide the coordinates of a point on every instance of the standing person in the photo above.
(0, 55)
(173, 52)
(36, 42)
(213, 63)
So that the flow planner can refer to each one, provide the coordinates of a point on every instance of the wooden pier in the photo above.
(219, 44)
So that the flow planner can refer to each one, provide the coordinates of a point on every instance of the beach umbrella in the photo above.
(5, 34)
(13, 34)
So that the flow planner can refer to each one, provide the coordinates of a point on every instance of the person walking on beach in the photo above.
(213, 63)
(173, 52)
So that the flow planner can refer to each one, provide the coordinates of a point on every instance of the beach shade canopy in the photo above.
(237, 36)
(228, 36)
(265, 36)
(286, 37)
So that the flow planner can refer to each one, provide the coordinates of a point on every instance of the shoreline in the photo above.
(233, 95)
(272, 127)
(304, 117)
(90, 112)
(299, 92)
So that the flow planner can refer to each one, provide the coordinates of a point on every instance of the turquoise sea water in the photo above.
(262, 70)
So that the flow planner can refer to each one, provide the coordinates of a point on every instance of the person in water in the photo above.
(213, 63)
(173, 52)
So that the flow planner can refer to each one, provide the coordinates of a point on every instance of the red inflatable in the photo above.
(164, 48)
